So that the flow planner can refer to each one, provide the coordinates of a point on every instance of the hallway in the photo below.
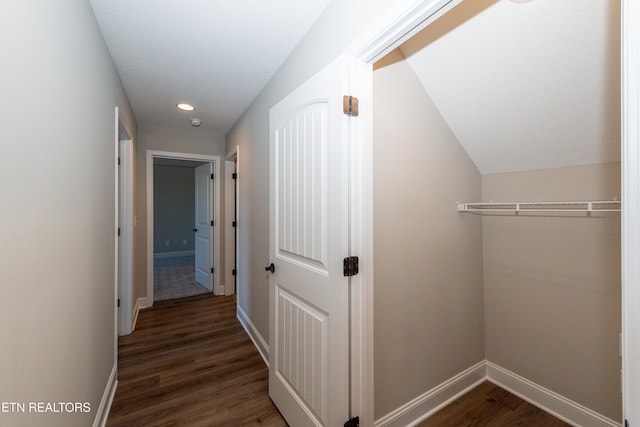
(190, 363)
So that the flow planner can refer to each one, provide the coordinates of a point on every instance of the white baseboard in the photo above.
(258, 341)
(159, 255)
(430, 402)
(107, 398)
(547, 400)
(140, 304)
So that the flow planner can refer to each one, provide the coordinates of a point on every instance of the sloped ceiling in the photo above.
(526, 85)
(215, 54)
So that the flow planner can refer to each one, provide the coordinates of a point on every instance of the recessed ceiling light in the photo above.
(186, 107)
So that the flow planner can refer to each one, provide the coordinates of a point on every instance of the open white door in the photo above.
(203, 226)
(309, 312)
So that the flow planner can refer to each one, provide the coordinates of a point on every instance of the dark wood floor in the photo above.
(190, 363)
(490, 405)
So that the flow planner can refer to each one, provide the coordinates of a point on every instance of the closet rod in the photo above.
(515, 207)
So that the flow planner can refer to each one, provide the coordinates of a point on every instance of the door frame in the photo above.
(215, 188)
(231, 208)
(630, 211)
(399, 24)
(124, 224)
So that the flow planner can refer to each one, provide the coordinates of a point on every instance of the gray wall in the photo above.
(57, 186)
(552, 285)
(174, 208)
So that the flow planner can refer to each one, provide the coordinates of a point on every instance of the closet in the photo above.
(497, 205)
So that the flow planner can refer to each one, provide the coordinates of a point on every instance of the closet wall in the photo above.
(428, 305)
(552, 285)
(538, 296)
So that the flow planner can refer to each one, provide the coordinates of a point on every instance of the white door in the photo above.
(203, 226)
(309, 320)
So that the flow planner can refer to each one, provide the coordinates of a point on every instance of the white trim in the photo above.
(423, 406)
(215, 161)
(229, 230)
(258, 341)
(162, 255)
(547, 400)
(102, 414)
(126, 226)
(631, 211)
(116, 253)
(141, 303)
(397, 25)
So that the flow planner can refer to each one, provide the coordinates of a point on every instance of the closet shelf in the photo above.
(528, 207)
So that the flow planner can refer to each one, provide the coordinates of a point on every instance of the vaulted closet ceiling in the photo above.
(526, 85)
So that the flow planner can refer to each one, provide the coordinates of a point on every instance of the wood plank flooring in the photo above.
(491, 406)
(190, 363)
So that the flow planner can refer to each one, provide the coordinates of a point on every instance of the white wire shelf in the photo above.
(542, 207)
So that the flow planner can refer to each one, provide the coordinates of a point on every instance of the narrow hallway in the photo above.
(189, 362)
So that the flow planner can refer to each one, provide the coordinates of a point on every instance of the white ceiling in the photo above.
(214, 54)
(526, 85)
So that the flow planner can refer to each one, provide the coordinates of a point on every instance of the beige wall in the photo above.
(428, 310)
(182, 140)
(552, 285)
(57, 186)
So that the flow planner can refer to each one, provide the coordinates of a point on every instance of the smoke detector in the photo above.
(196, 122)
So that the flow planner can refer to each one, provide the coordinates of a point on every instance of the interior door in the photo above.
(203, 229)
(309, 320)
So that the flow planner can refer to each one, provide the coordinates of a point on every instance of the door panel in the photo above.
(308, 341)
(203, 234)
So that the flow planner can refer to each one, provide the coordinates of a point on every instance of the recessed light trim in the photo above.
(185, 107)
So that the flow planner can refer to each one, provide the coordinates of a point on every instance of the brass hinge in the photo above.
(350, 106)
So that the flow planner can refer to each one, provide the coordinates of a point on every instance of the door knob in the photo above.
(195, 229)
(271, 268)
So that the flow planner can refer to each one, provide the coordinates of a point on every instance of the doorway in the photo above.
(181, 253)
(124, 218)
(192, 255)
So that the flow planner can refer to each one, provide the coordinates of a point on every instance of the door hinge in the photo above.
(212, 176)
(626, 423)
(234, 224)
(234, 175)
(350, 265)
(350, 106)
(118, 231)
(213, 270)
(118, 161)
(118, 302)
(233, 272)
(213, 223)
(353, 422)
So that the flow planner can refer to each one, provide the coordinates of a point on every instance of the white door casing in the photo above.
(309, 236)
(203, 229)
(229, 227)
